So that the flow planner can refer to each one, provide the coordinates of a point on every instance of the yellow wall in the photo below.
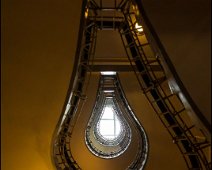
(38, 44)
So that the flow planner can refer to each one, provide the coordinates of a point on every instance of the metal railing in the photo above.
(62, 156)
(190, 139)
(108, 148)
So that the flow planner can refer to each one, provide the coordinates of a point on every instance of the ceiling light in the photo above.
(139, 27)
(108, 73)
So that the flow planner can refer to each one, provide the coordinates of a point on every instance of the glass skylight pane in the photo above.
(116, 118)
(108, 113)
(118, 127)
(109, 126)
(106, 127)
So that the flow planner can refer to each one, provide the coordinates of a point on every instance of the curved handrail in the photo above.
(60, 157)
(170, 67)
(170, 113)
(151, 86)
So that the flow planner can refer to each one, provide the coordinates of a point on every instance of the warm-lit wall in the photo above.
(38, 45)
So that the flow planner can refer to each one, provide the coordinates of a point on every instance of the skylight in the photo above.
(108, 133)
(109, 126)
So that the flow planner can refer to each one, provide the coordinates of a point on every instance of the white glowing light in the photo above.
(139, 27)
(109, 126)
(108, 91)
(108, 73)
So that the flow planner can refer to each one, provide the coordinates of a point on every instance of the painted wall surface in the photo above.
(38, 43)
(38, 46)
